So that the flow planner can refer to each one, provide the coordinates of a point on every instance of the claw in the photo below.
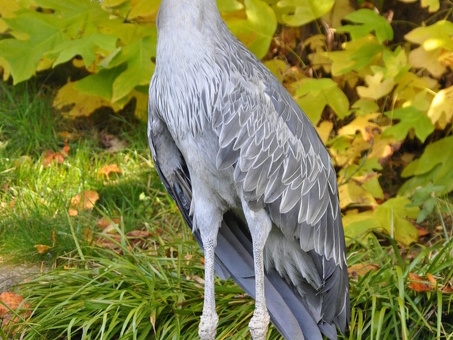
(259, 324)
(208, 326)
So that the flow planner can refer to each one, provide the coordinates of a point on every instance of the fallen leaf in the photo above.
(42, 248)
(422, 231)
(431, 279)
(360, 269)
(104, 223)
(106, 170)
(72, 212)
(12, 301)
(447, 289)
(84, 201)
(50, 157)
(419, 284)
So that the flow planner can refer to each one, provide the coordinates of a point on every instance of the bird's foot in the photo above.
(259, 324)
(208, 326)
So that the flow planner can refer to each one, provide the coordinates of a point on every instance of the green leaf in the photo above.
(357, 226)
(100, 83)
(434, 166)
(140, 68)
(229, 5)
(23, 56)
(410, 118)
(258, 29)
(368, 21)
(393, 216)
(86, 47)
(356, 55)
(313, 95)
(301, 12)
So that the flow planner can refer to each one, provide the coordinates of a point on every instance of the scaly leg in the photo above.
(260, 225)
(208, 219)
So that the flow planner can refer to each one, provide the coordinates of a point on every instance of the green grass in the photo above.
(155, 291)
(41, 195)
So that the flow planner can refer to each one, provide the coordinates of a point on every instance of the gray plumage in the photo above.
(249, 174)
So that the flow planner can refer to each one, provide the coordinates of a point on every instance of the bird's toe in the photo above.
(259, 324)
(208, 326)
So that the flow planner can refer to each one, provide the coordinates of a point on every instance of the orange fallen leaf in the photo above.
(422, 232)
(431, 279)
(83, 201)
(104, 223)
(106, 170)
(73, 212)
(447, 289)
(42, 248)
(12, 301)
(66, 148)
(202, 260)
(418, 283)
(50, 157)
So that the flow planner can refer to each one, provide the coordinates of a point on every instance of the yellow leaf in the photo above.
(42, 248)
(362, 124)
(377, 86)
(73, 103)
(144, 9)
(352, 193)
(441, 109)
(422, 58)
(383, 148)
(324, 130)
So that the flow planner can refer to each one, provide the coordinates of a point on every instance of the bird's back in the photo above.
(266, 150)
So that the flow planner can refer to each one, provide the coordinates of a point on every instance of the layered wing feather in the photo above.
(234, 251)
(281, 164)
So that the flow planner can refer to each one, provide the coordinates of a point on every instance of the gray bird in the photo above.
(250, 176)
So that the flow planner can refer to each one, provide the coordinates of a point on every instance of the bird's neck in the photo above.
(187, 14)
(187, 31)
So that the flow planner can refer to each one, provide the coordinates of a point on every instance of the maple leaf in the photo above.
(368, 21)
(352, 193)
(83, 201)
(299, 12)
(434, 39)
(107, 169)
(441, 109)
(364, 125)
(257, 31)
(72, 103)
(434, 166)
(393, 217)
(313, 95)
(410, 119)
(377, 87)
(356, 55)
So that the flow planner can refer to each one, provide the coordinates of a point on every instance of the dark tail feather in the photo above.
(234, 255)
(234, 258)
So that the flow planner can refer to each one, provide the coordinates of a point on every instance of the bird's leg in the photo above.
(260, 225)
(208, 219)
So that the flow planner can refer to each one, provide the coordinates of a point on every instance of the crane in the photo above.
(250, 176)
